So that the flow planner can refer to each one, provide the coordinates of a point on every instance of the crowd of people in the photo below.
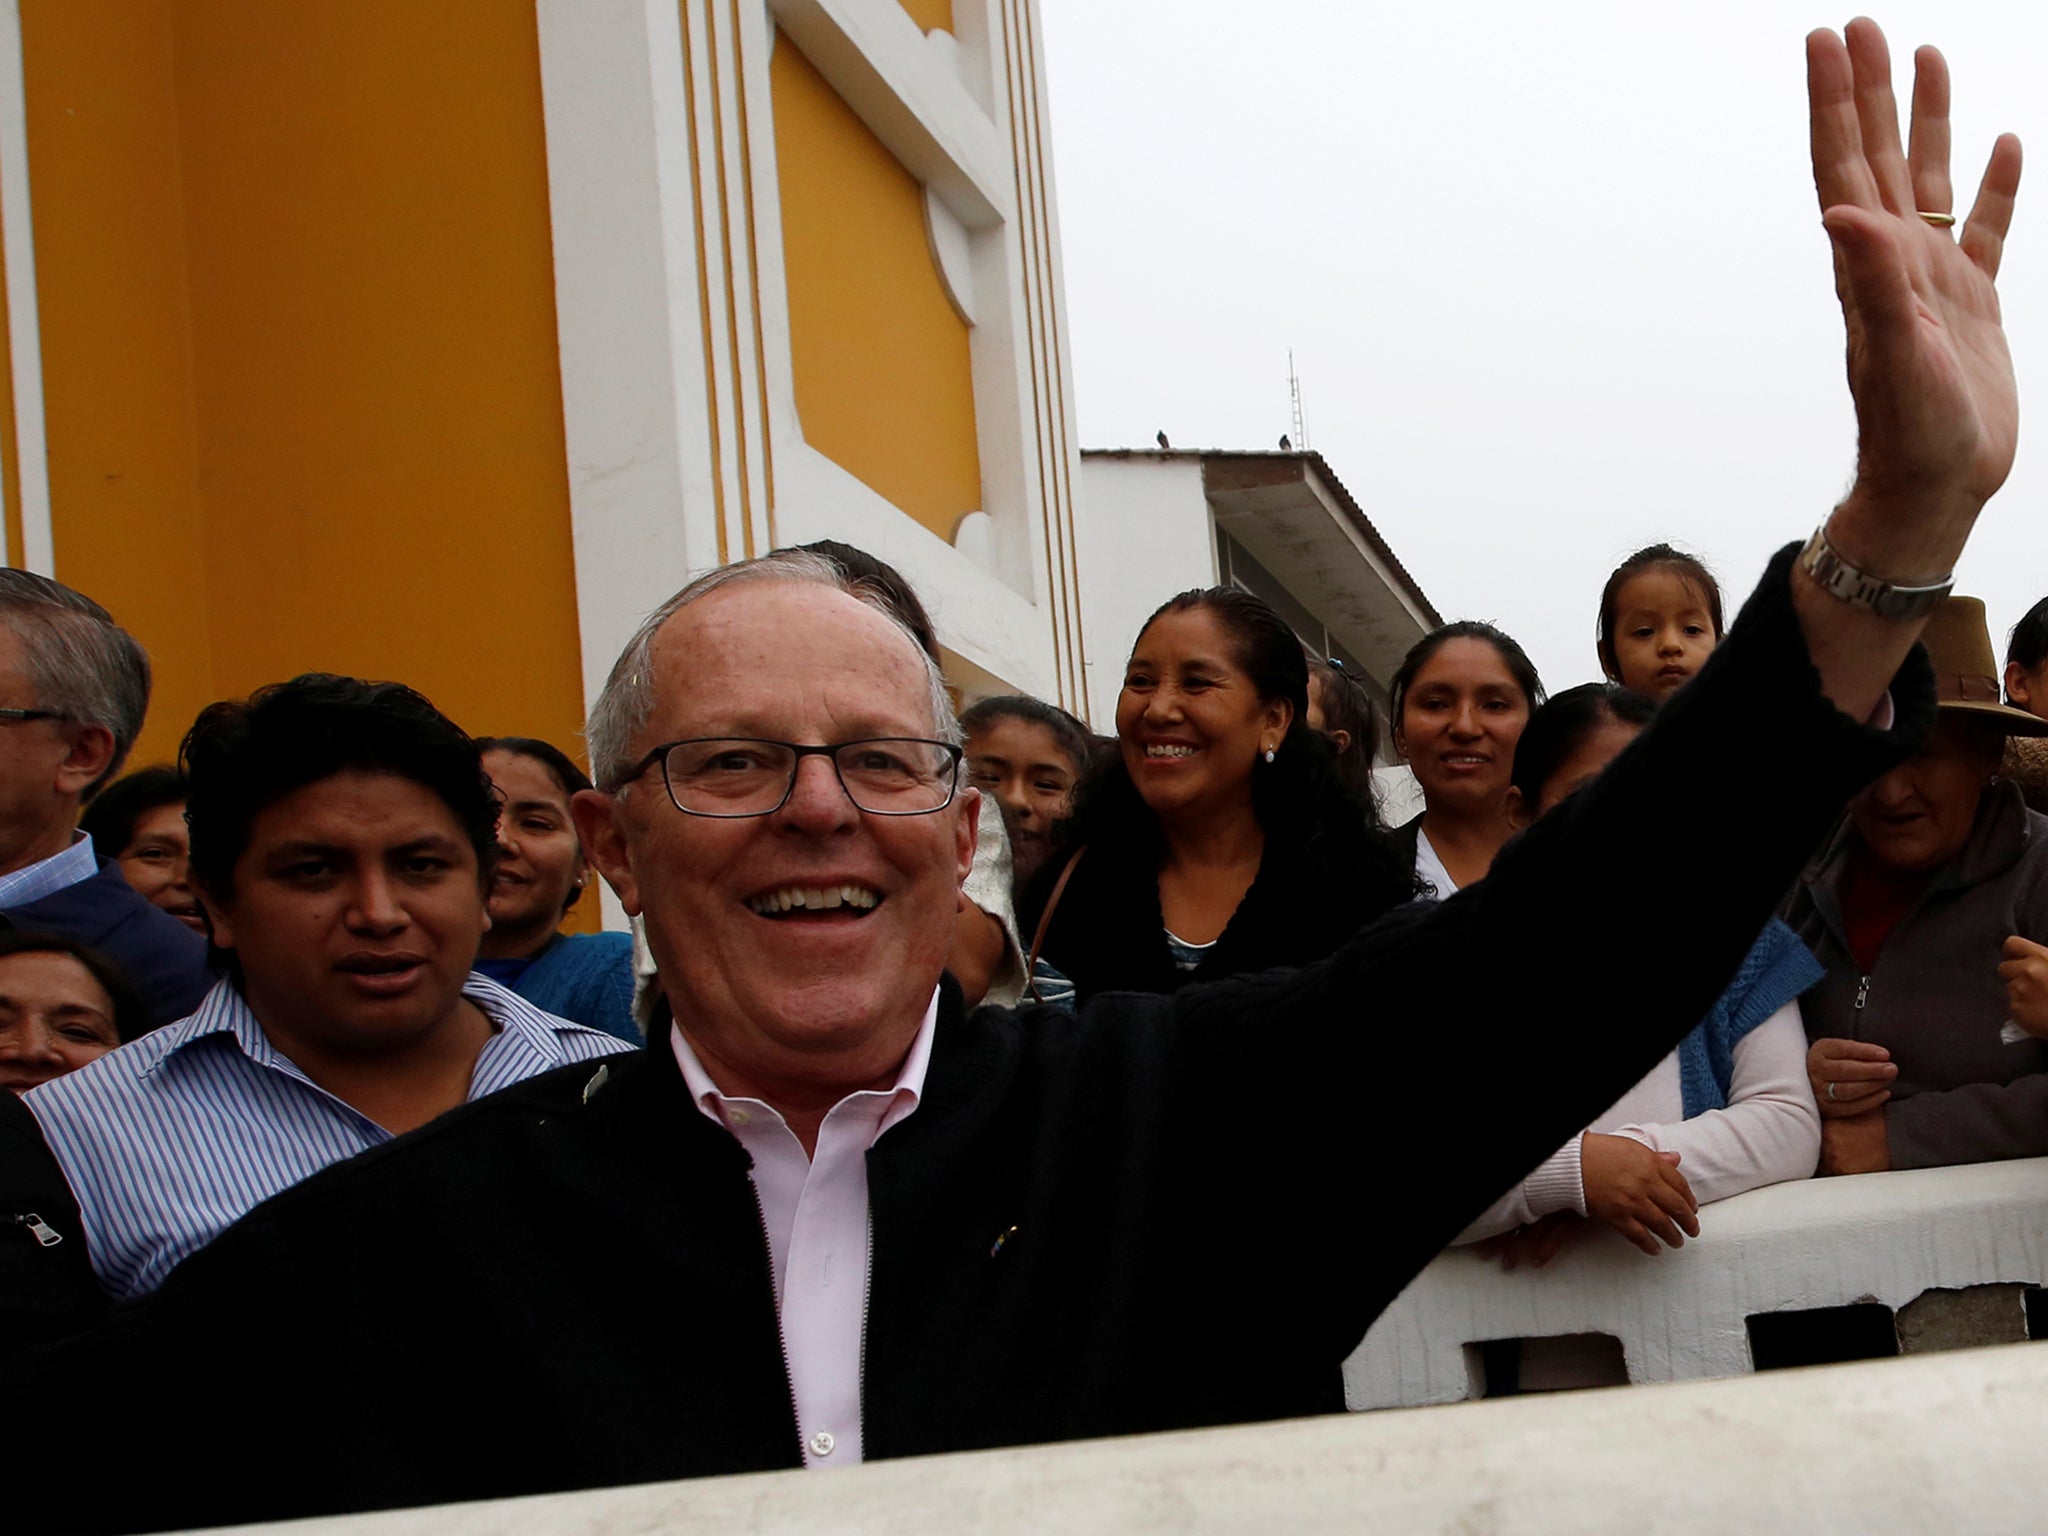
(909, 1119)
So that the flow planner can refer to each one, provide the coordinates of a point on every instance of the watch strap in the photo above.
(1887, 599)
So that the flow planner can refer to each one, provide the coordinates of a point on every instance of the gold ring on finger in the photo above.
(1938, 220)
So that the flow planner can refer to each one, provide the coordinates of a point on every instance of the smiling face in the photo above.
(1189, 721)
(355, 913)
(785, 987)
(1663, 633)
(54, 1018)
(1460, 720)
(1019, 764)
(1917, 817)
(154, 863)
(540, 862)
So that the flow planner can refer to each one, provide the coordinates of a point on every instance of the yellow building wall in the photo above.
(112, 305)
(296, 295)
(882, 370)
(930, 15)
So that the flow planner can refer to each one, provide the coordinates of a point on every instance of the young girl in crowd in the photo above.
(1727, 1111)
(1460, 699)
(1660, 618)
(1026, 756)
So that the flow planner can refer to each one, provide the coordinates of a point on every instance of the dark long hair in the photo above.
(2028, 643)
(131, 1019)
(1348, 707)
(1069, 735)
(1560, 727)
(111, 818)
(1300, 798)
(1511, 654)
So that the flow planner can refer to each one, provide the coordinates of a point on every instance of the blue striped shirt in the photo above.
(174, 1137)
(46, 877)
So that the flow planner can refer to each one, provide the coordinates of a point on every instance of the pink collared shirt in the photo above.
(816, 1212)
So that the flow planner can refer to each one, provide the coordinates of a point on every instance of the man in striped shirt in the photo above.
(343, 834)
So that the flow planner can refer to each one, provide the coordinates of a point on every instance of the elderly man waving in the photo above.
(856, 1221)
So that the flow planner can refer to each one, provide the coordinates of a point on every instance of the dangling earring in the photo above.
(1269, 754)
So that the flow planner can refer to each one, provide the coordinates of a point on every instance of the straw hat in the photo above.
(1958, 641)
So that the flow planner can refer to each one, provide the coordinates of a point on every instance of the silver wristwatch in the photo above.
(1887, 599)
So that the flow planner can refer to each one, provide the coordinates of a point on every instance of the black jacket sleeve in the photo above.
(1531, 1000)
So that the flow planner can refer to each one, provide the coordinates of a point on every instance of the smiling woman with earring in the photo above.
(1220, 838)
(586, 978)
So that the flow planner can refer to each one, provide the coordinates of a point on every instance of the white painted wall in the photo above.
(1931, 1446)
(1144, 534)
(1884, 1237)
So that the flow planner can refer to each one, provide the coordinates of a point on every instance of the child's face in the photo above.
(1663, 631)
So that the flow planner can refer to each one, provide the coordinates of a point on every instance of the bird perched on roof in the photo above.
(1285, 445)
(1163, 442)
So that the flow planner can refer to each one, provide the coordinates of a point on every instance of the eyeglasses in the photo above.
(32, 714)
(731, 776)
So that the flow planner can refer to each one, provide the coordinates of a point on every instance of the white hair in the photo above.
(624, 707)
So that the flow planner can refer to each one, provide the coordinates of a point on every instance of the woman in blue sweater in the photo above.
(586, 978)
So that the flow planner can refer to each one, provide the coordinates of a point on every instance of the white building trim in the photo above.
(24, 325)
(685, 445)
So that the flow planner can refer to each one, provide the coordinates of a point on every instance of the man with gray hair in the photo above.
(74, 687)
(856, 1220)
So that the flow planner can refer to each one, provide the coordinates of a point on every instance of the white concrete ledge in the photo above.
(1885, 1237)
(1936, 1445)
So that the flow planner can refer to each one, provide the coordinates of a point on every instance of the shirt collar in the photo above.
(61, 870)
(523, 1041)
(898, 1100)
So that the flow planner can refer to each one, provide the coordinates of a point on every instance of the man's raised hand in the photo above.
(1936, 406)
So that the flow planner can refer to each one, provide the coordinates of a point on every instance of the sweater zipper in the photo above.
(781, 1338)
(45, 1235)
(867, 1303)
(1862, 992)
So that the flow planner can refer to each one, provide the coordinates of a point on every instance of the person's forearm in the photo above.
(1898, 537)
(1766, 1139)
(1554, 1186)
(1770, 1130)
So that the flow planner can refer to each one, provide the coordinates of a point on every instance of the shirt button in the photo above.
(738, 1116)
(822, 1443)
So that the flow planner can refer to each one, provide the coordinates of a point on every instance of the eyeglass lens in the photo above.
(889, 776)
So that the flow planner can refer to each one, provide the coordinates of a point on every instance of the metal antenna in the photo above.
(1299, 436)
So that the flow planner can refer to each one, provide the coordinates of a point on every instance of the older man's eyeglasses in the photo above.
(746, 776)
(8, 715)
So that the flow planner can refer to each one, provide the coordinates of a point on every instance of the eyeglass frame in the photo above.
(829, 751)
(32, 714)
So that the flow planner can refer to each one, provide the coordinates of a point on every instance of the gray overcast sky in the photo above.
(1553, 276)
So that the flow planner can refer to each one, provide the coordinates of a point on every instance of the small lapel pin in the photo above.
(1003, 1237)
(598, 1079)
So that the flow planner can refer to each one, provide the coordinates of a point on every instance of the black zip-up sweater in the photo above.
(1204, 1199)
